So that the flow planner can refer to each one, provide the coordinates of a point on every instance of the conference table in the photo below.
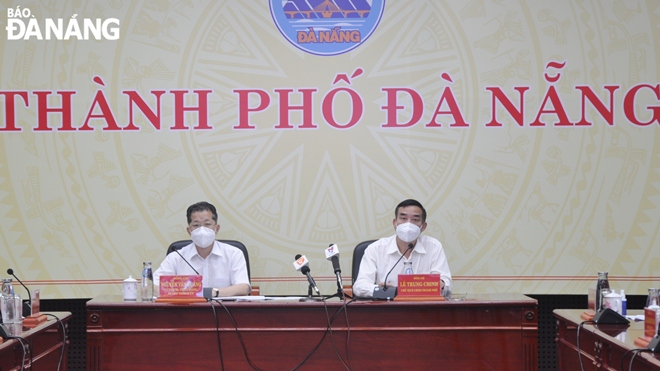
(48, 343)
(602, 346)
(481, 332)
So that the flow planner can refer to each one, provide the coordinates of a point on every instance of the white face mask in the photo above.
(203, 237)
(407, 232)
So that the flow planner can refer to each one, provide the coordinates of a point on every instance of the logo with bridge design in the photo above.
(326, 27)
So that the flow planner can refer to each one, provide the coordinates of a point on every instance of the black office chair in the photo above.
(239, 245)
(358, 252)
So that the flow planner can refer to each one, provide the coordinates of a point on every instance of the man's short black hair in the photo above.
(201, 206)
(410, 202)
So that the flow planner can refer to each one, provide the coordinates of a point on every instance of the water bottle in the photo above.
(147, 282)
(407, 267)
(624, 303)
(653, 300)
(603, 284)
(7, 301)
(18, 309)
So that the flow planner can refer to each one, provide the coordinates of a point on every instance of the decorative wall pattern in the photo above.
(528, 129)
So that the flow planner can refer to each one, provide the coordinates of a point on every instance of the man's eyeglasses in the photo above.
(207, 225)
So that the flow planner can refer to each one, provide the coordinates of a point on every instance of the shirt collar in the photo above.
(192, 252)
(419, 246)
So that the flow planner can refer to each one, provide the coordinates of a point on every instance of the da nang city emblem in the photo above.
(327, 27)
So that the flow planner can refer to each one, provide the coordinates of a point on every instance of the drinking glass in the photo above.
(653, 298)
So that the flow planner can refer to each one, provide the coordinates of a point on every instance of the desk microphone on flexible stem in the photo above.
(302, 265)
(187, 262)
(654, 344)
(608, 316)
(207, 292)
(382, 292)
(332, 254)
(27, 306)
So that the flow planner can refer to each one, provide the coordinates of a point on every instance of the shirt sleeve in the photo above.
(366, 281)
(440, 265)
(167, 268)
(238, 269)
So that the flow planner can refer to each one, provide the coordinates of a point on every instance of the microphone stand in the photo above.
(340, 290)
(310, 296)
(340, 294)
(27, 305)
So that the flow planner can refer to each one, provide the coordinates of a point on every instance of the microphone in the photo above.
(27, 307)
(184, 259)
(382, 293)
(302, 265)
(608, 316)
(410, 247)
(654, 344)
(332, 254)
(207, 292)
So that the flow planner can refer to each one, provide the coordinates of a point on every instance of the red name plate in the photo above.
(419, 285)
(649, 322)
(180, 286)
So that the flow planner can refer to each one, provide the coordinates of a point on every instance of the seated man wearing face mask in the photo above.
(221, 266)
(425, 253)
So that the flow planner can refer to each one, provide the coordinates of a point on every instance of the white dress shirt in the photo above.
(379, 257)
(225, 266)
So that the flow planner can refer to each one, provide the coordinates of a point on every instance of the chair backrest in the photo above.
(358, 252)
(237, 244)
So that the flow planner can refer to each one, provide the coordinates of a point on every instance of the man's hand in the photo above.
(240, 289)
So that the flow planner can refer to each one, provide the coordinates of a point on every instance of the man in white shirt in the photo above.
(396, 253)
(221, 266)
